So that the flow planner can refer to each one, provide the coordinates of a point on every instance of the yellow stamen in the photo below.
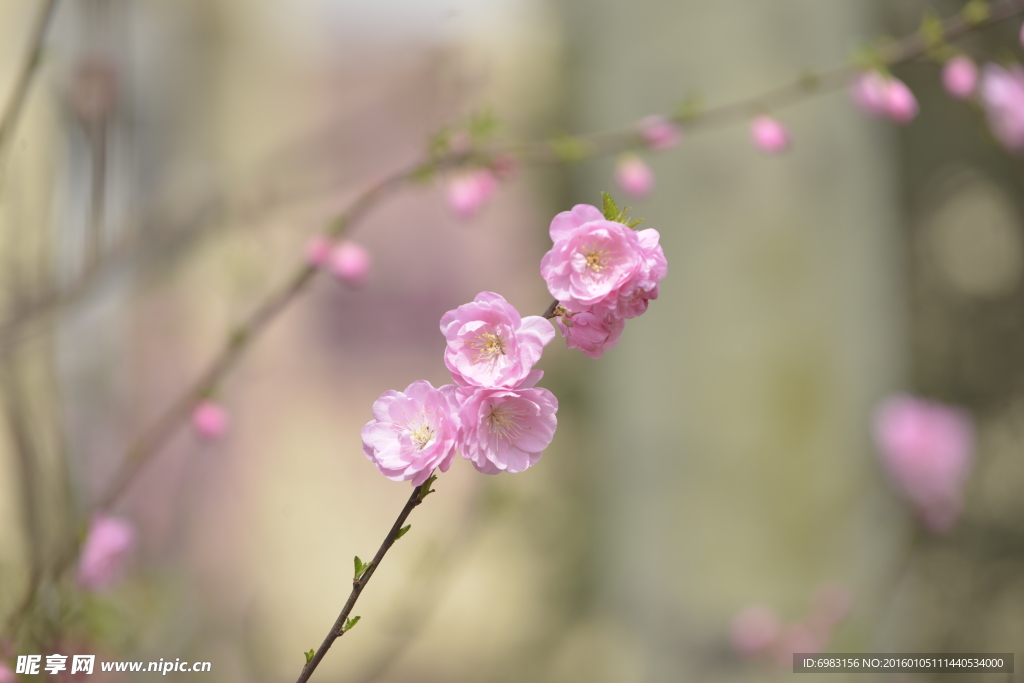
(489, 347)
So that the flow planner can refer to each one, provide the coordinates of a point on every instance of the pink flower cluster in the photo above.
(757, 631)
(926, 448)
(885, 96)
(602, 273)
(493, 415)
(107, 547)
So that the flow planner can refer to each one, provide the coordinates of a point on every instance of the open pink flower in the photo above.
(602, 266)
(506, 430)
(634, 177)
(350, 263)
(210, 419)
(591, 334)
(769, 135)
(468, 191)
(926, 448)
(108, 544)
(412, 432)
(490, 345)
(1002, 94)
(659, 133)
(960, 76)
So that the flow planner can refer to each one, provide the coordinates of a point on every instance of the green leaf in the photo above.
(402, 531)
(483, 124)
(309, 656)
(976, 12)
(349, 623)
(569, 149)
(361, 568)
(425, 489)
(425, 173)
(609, 208)
(635, 222)
(690, 108)
(439, 142)
(933, 33)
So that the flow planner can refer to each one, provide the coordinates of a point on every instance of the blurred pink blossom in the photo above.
(468, 191)
(591, 334)
(1002, 94)
(633, 176)
(754, 630)
(317, 250)
(926, 448)
(490, 345)
(350, 263)
(769, 135)
(880, 95)
(412, 432)
(960, 76)
(659, 133)
(6, 674)
(105, 552)
(210, 419)
(506, 430)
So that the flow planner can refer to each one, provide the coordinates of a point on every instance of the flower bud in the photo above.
(210, 420)
(467, 192)
(769, 135)
(754, 630)
(350, 262)
(634, 177)
(902, 105)
(107, 546)
(659, 133)
(960, 77)
(317, 250)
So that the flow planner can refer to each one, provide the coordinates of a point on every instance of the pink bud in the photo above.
(317, 250)
(769, 135)
(210, 420)
(960, 76)
(467, 192)
(634, 177)
(869, 91)
(754, 630)
(659, 133)
(926, 448)
(107, 546)
(902, 103)
(350, 262)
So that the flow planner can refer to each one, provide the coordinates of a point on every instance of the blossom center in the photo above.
(502, 421)
(422, 436)
(489, 346)
(596, 259)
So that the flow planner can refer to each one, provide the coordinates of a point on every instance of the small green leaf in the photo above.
(402, 531)
(976, 12)
(425, 489)
(569, 149)
(483, 124)
(309, 656)
(439, 142)
(425, 173)
(810, 80)
(361, 568)
(349, 623)
(690, 108)
(635, 222)
(933, 33)
(609, 207)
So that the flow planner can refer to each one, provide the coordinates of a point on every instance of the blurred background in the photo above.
(175, 157)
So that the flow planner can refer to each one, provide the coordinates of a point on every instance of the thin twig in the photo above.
(359, 582)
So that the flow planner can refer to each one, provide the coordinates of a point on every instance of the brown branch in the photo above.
(12, 113)
(359, 582)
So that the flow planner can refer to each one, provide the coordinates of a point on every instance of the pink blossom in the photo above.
(490, 345)
(960, 76)
(902, 103)
(880, 95)
(412, 432)
(1002, 94)
(6, 675)
(468, 191)
(350, 262)
(926, 448)
(210, 419)
(660, 133)
(506, 430)
(105, 553)
(634, 177)
(602, 266)
(769, 135)
(754, 630)
(591, 334)
(317, 250)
